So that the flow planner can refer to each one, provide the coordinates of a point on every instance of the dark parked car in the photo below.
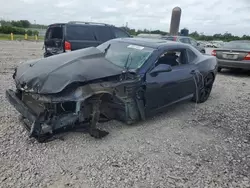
(186, 40)
(234, 54)
(124, 79)
(64, 37)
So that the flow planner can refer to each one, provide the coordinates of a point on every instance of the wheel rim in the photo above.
(206, 90)
(209, 81)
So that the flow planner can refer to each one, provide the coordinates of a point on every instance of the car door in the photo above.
(170, 87)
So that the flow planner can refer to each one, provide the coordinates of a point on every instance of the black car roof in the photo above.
(81, 23)
(55, 24)
(151, 43)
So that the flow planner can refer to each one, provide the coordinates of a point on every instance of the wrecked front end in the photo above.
(79, 106)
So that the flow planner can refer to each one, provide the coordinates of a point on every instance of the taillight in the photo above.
(213, 53)
(247, 57)
(67, 46)
(175, 38)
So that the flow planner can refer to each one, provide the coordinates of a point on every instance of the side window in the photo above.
(103, 33)
(119, 33)
(173, 58)
(193, 42)
(185, 40)
(191, 56)
(79, 32)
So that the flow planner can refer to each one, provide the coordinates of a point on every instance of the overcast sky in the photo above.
(210, 16)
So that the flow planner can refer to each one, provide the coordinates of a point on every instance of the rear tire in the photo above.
(203, 92)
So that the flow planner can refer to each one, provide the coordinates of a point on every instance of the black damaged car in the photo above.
(125, 79)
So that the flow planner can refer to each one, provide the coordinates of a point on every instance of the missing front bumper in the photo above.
(42, 131)
(20, 106)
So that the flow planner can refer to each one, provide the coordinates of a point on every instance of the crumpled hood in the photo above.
(53, 74)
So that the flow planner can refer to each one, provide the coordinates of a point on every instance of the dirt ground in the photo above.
(190, 145)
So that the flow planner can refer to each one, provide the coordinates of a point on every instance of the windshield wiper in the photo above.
(106, 49)
(128, 62)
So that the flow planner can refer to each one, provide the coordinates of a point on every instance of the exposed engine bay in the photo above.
(84, 106)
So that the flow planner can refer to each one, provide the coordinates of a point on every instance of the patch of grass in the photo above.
(18, 37)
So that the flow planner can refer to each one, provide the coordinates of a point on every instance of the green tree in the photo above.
(194, 34)
(16, 23)
(25, 23)
(29, 32)
(35, 33)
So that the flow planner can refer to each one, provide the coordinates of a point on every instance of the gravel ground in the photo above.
(190, 145)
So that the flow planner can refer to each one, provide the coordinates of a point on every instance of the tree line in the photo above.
(16, 30)
(22, 24)
(135, 32)
(223, 37)
(20, 27)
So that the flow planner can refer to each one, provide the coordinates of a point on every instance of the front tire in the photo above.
(203, 92)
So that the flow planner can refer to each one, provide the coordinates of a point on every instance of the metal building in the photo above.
(175, 21)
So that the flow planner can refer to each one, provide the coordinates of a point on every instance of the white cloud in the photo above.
(110, 9)
(28, 1)
(214, 16)
(132, 5)
(62, 4)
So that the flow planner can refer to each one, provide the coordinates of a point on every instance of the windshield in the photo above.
(237, 45)
(126, 55)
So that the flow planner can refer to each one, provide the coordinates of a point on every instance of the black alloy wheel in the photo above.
(204, 91)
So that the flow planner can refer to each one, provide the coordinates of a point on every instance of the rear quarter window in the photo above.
(79, 32)
(191, 56)
(185, 40)
(103, 33)
(119, 33)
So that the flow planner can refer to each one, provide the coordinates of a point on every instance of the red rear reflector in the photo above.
(67, 46)
(247, 57)
(213, 53)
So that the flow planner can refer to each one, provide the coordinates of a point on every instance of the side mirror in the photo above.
(160, 68)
